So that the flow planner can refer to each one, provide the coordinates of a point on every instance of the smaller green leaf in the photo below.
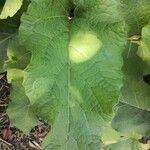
(3, 47)
(18, 56)
(111, 136)
(8, 29)
(10, 8)
(129, 144)
(144, 48)
(19, 110)
(135, 92)
(132, 121)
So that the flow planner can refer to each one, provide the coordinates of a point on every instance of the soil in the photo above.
(12, 138)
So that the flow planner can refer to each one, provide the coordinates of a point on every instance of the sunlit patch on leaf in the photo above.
(83, 46)
(144, 52)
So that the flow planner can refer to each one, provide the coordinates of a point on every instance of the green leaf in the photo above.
(111, 136)
(7, 31)
(144, 48)
(10, 8)
(136, 14)
(129, 144)
(3, 47)
(132, 121)
(86, 8)
(132, 116)
(18, 56)
(68, 80)
(14, 58)
(113, 140)
(19, 110)
(135, 91)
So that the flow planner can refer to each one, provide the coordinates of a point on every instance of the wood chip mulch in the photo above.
(12, 138)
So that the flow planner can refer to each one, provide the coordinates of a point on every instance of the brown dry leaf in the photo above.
(6, 133)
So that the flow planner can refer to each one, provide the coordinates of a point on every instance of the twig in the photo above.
(33, 144)
(3, 105)
(5, 142)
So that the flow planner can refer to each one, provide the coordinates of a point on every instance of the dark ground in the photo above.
(12, 138)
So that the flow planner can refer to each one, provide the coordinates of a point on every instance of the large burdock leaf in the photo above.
(10, 8)
(74, 76)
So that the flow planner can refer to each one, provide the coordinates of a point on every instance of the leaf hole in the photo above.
(71, 14)
(146, 78)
